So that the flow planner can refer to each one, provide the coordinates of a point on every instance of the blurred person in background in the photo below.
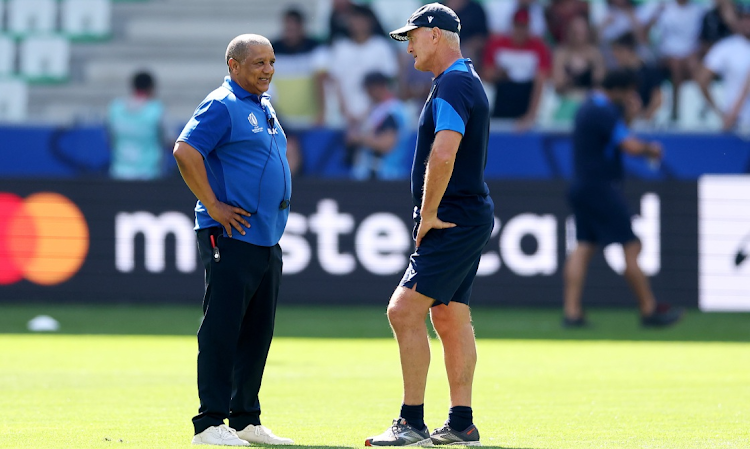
(474, 31)
(560, 13)
(717, 24)
(383, 141)
(730, 59)
(677, 25)
(232, 156)
(500, 15)
(297, 56)
(297, 97)
(136, 132)
(623, 16)
(650, 78)
(600, 137)
(518, 65)
(349, 60)
(578, 67)
(338, 20)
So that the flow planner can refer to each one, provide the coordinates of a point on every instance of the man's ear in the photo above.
(436, 33)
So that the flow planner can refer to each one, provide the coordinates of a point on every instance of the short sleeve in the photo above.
(545, 60)
(714, 60)
(452, 105)
(209, 126)
(620, 133)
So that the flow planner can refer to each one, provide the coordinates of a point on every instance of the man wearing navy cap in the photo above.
(232, 155)
(453, 215)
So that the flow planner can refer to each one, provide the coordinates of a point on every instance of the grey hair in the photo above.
(454, 41)
(237, 49)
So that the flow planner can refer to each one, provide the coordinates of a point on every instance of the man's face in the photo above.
(521, 32)
(254, 74)
(360, 27)
(421, 47)
(621, 54)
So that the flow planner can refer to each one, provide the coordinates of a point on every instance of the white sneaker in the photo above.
(261, 435)
(222, 435)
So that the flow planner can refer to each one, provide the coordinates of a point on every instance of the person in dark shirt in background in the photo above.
(474, 31)
(600, 137)
(717, 24)
(650, 78)
(338, 21)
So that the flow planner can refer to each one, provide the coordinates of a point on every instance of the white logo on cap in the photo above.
(429, 19)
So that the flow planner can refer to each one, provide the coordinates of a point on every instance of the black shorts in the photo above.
(444, 266)
(601, 214)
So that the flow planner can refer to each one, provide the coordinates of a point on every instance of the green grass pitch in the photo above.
(333, 379)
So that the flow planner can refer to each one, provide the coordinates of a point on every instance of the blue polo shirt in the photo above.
(457, 102)
(245, 156)
(599, 130)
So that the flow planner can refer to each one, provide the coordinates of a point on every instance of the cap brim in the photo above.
(400, 34)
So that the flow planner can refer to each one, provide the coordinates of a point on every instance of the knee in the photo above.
(443, 321)
(398, 314)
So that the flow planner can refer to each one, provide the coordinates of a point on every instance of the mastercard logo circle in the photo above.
(43, 238)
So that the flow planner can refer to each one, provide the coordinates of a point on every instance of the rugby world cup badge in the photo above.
(254, 121)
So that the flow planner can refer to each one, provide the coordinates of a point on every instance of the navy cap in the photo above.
(429, 16)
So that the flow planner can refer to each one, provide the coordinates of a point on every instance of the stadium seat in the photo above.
(45, 58)
(31, 16)
(7, 55)
(14, 98)
(86, 19)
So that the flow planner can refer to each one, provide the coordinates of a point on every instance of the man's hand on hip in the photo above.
(431, 222)
(229, 217)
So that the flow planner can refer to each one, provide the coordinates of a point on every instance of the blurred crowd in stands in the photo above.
(520, 48)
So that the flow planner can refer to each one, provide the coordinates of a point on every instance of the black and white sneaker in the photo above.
(445, 436)
(401, 434)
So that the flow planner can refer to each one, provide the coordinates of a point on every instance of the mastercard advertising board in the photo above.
(102, 241)
(58, 242)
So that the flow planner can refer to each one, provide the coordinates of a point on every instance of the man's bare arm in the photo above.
(438, 174)
(190, 162)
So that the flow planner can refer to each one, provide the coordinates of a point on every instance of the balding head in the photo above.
(238, 48)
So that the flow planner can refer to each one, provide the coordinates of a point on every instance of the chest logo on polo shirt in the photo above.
(254, 121)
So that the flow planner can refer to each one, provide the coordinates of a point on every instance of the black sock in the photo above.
(414, 415)
(460, 418)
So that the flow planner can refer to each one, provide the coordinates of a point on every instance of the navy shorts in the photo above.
(444, 266)
(601, 214)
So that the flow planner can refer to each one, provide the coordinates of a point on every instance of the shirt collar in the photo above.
(241, 93)
(460, 63)
(600, 97)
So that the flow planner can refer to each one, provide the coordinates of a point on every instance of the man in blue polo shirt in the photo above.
(232, 155)
(600, 136)
(454, 217)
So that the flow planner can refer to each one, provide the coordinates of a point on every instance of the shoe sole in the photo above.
(424, 443)
(461, 443)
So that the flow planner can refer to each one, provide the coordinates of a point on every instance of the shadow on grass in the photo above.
(371, 322)
(350, 447)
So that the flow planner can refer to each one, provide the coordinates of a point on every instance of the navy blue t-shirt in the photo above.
(599, 130)
(457, 102)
